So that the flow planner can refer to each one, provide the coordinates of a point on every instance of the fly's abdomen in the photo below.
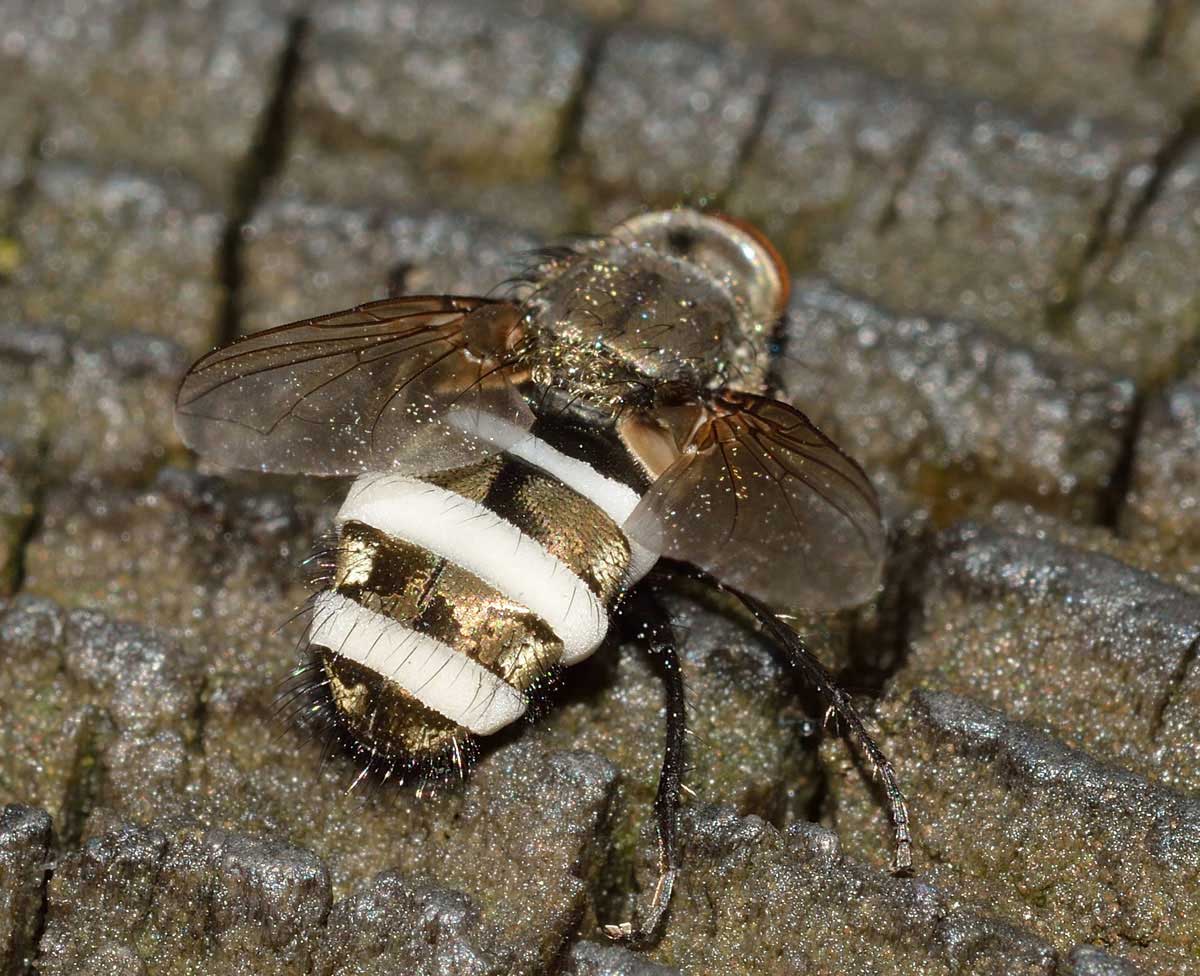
(453, 595)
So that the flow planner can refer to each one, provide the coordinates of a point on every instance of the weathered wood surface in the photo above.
(992, 214)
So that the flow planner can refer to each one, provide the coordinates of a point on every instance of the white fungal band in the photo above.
(434, 673)
(614, 499)
(471, 536)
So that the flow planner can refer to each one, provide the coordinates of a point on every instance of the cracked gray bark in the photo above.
(990, 211)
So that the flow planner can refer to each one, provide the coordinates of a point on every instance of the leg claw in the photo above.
(619, 932)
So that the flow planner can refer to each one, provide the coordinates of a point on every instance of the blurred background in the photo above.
(992, 212)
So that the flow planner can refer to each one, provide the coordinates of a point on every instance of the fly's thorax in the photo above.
(619, 317)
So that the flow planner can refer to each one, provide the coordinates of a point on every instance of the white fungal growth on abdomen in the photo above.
(435, 674)
(513, 557)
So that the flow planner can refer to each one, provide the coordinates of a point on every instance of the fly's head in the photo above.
(669, 305)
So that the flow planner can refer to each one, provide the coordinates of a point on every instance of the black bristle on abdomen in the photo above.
(305, 702)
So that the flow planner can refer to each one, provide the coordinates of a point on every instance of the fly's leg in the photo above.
(652, 627)
(817, 675)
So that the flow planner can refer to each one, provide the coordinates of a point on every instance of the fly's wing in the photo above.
(764, 501)
(411, 384)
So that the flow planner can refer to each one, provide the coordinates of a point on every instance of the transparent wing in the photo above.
(396, 385)
(765, 502)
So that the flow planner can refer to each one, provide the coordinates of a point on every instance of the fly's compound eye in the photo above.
(730, 250)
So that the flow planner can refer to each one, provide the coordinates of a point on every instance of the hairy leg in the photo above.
(792, 646)
(650, 624)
